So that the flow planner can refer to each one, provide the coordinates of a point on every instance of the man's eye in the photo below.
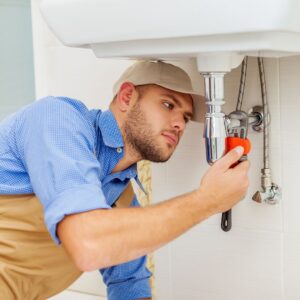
(169, 105)
(186, 119)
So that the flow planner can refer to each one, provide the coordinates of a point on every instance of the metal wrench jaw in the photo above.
(238, 124)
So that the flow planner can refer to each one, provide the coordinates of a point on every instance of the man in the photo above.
(78, 164)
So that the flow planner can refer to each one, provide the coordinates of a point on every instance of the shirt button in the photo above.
(119, 150)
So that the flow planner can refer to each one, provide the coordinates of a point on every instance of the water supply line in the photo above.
(242, 83)
(271, 192)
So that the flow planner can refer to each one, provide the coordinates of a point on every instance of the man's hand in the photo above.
(223, 184)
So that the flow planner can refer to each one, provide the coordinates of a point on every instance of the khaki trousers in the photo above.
(32, 266)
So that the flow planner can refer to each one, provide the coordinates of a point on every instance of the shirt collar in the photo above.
(126, 175)
(130, 172)
(110, 130)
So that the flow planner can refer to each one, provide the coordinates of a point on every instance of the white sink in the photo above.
(168, 29)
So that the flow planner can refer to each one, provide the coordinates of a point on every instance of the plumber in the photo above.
(66, 201)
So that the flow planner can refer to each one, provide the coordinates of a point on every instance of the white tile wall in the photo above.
(230, 264)
(290, 128)
(291, 263)
(259, 257)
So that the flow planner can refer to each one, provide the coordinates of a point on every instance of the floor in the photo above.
(69, 295)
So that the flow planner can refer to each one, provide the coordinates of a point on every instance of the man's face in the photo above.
(156, 121)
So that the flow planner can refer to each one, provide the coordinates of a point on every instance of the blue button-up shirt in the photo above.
(65, 153)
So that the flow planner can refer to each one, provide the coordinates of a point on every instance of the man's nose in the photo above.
(178, 123)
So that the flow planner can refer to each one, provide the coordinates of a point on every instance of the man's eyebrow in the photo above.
(189, 114)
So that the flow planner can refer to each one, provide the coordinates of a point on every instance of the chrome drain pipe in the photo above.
(215, 131)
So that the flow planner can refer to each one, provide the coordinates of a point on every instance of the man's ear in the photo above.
(125, 96)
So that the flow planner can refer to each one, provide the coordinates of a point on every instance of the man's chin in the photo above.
(162, 158)
(160, 154)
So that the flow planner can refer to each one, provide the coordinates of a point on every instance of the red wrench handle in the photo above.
(232, 142)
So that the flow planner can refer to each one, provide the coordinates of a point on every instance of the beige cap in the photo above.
(165, 75)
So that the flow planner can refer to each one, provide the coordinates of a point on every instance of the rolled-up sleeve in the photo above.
(57, 141)
(128, 281)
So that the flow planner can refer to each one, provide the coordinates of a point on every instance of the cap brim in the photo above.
(200, 108)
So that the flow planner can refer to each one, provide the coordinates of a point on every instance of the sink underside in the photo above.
(175, 28)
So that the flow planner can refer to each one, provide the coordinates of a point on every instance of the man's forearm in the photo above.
(110, 237)
(102, 238)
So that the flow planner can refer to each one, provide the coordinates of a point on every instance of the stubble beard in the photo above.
(140, 137)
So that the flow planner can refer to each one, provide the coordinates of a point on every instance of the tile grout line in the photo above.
(281, 177)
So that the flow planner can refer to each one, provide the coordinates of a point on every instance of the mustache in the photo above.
(174, 133)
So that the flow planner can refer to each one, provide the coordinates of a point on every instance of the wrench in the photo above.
(239, 131)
